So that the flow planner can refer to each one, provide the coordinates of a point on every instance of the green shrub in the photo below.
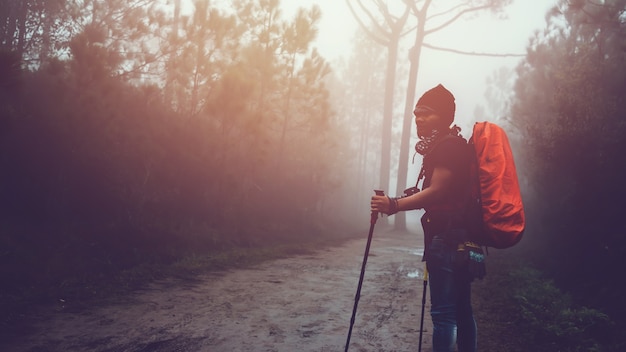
(552, 321)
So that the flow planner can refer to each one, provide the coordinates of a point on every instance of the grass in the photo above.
(76, 292)
(518, 309)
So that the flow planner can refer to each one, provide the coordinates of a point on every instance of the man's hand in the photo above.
(384, 204)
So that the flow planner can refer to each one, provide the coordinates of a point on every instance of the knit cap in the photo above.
(438, 100)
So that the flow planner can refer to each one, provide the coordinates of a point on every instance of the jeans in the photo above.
(450, 296)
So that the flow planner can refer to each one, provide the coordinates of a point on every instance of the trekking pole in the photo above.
(423, 305)
(373, 218)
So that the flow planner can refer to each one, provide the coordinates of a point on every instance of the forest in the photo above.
(134, 131)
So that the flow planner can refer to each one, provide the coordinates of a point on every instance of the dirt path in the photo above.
(303, 303)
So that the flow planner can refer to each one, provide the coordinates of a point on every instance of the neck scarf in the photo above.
(425, 143)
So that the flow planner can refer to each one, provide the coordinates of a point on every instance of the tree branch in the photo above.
(442, 13)
(461, 52)
(395, 23)
(411, 5)
(456, 17)
(382, 41)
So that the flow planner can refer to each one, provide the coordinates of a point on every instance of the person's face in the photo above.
(426, 122)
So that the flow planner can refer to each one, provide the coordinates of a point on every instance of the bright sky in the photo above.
(464, 75)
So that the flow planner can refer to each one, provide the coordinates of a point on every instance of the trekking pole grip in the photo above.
(374, 215)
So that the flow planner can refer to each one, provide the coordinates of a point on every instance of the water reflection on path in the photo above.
(413, 270)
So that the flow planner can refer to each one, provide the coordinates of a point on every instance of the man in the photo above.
(446, 176)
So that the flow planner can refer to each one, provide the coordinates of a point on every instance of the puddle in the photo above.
(414, 274)
(411, 273)
(418, 252)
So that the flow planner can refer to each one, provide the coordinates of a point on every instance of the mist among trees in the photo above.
(137, 128)
(569, 108)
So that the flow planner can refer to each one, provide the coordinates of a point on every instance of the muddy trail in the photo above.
(301, 303)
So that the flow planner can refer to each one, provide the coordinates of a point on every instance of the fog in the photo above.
(139, 135)
(507, 33)
(503, 37)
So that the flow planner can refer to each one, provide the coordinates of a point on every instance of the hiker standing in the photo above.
(445, 187)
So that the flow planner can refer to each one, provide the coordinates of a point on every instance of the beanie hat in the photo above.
(438, 100)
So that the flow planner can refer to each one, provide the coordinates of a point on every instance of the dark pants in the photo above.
(450, 296)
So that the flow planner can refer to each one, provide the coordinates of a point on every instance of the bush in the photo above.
(556, 323)
(519, 309)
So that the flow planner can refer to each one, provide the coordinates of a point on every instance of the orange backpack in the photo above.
(498, 212)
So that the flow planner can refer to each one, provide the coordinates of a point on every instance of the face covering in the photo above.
(426, 142)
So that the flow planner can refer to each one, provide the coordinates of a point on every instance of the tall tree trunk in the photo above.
(9, 16)
(390, 40)
(287, 107)
(403, 163)
(363, 169)
(176, 23)
(20, 25)
(390, 79)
